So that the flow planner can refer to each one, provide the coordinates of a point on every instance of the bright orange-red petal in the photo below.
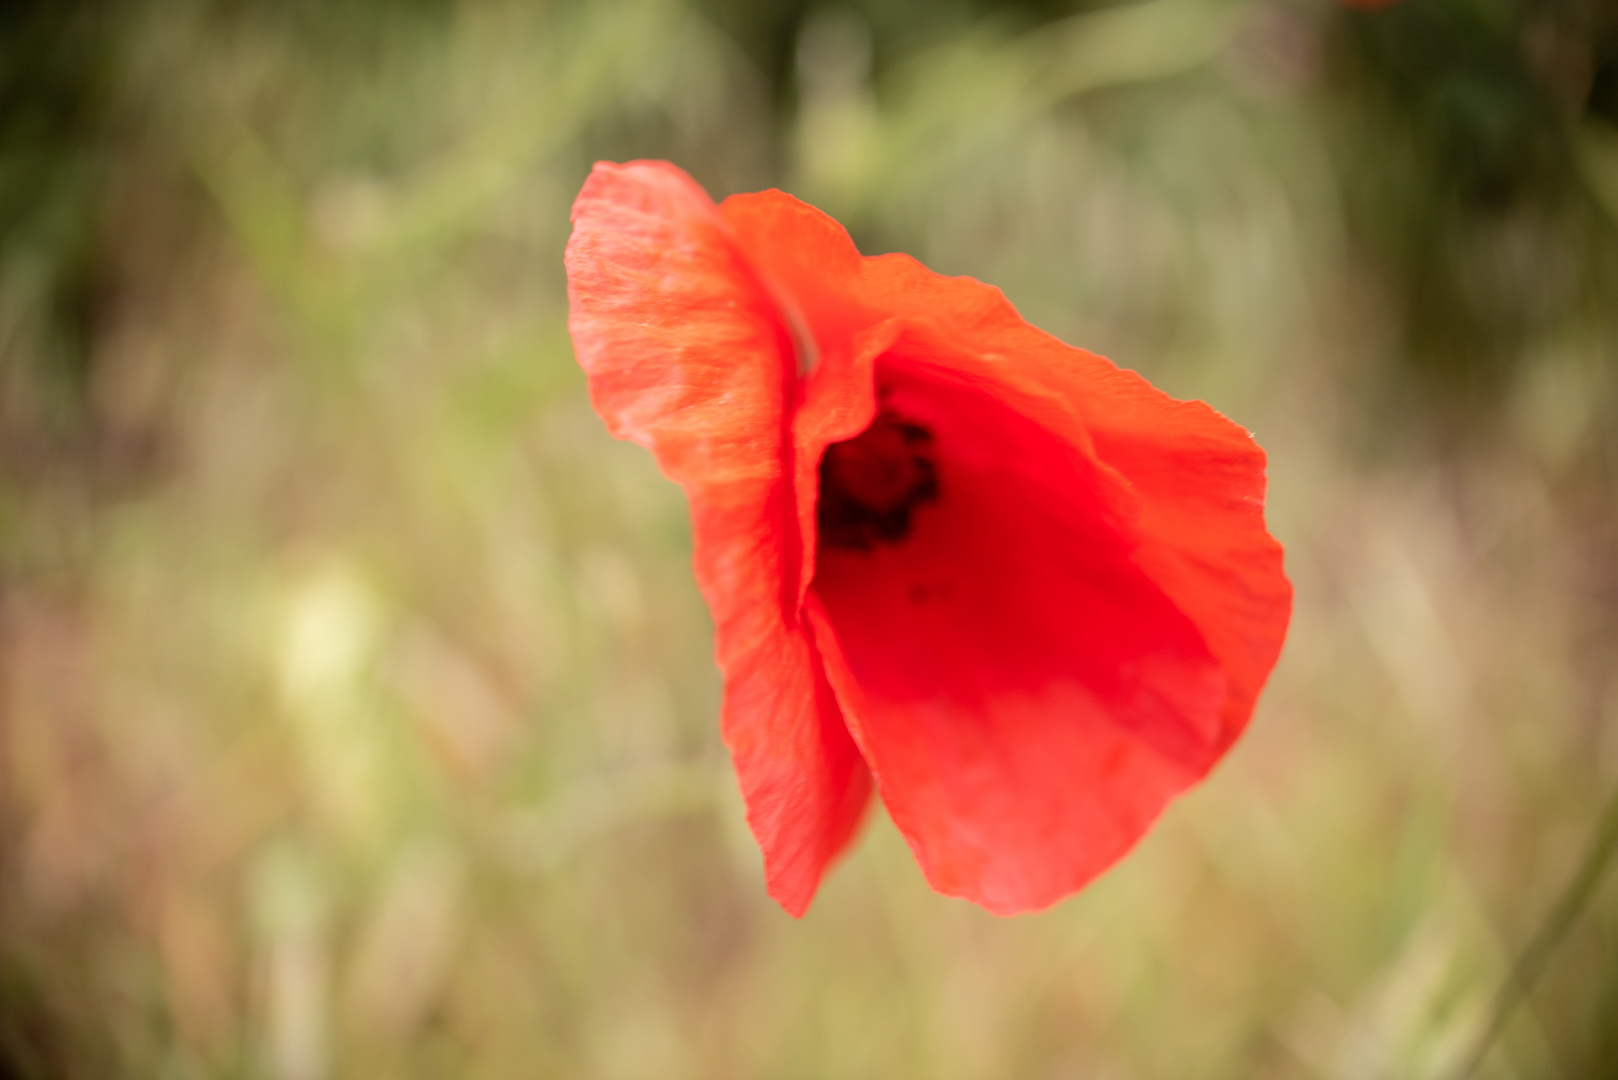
(1200, 477)
(1079, 626)
(1028, 697)
(688, 354)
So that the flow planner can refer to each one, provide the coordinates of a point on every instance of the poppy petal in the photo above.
(1028, 697)
(1200, 478)
(688, 354)
(1014, 799)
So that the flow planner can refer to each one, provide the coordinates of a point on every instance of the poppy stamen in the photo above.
(870, 485)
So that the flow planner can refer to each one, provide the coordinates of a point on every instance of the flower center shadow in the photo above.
(870, 485)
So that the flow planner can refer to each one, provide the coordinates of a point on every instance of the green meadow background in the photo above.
(357, 715)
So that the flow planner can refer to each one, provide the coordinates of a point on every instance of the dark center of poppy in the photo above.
(871, 484)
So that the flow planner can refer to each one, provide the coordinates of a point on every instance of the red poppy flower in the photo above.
(1029, 594)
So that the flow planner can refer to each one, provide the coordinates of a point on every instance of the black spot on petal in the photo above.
(871, 485)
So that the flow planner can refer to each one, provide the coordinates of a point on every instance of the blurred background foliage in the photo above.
(356, 710)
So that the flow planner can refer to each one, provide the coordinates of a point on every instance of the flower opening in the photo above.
(872, 485)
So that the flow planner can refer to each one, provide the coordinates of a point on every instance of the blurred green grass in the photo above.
(356, 709)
